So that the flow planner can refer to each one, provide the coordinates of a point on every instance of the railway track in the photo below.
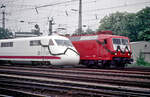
(75, 82)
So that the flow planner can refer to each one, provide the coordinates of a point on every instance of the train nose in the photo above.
(71, 57)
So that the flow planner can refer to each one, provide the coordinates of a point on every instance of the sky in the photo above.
(63, 12)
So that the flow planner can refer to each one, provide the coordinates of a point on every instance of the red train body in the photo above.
(103, 50)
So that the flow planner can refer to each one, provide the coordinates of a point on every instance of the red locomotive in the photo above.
(103, 49)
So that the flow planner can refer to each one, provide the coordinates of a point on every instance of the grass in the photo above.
(141, 61)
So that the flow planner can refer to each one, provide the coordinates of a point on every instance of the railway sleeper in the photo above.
(96, 89)
(137, 83)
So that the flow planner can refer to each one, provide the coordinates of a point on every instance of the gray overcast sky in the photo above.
(63, 14)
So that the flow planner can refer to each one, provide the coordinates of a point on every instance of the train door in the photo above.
(103, 49)
(106, 49)
(49, 51)
(44, 50)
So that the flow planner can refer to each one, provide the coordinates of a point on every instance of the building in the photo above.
(141, 47)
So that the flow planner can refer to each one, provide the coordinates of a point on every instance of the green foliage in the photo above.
(144, 24)
(136, 26)
(87, 31)
(5, 34)
(144, 34)
(77, 32)
(141, 62)
(114, 22)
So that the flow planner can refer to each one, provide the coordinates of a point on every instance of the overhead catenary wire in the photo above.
(124, 5)
(67, 12)
(29, 7)
(58, 3)
(85, 11)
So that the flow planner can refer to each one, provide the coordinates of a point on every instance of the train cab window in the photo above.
(63, 42)
(7, 44)
(116, 41)
(35, 43)
(51, 42)
(124, 41)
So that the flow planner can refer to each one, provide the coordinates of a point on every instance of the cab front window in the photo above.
(120, 41)
(63, 42)
(116, 41)
(124, 41)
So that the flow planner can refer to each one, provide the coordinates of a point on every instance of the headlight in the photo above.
(128, 54)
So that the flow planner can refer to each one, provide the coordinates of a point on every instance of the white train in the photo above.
(55, 50)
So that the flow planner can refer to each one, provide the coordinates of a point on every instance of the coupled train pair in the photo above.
(101, 50)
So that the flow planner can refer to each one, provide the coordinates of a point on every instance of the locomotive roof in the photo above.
(34, 38)
(107, 35)
(94, 37)
(115, 36)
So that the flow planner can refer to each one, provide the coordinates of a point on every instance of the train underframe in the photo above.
(116, 62)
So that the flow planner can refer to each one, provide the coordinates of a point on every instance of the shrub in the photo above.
(141, 60)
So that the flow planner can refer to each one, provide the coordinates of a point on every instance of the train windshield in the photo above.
(124, 41)
(63, 42)
(120, 41)
(116, 41)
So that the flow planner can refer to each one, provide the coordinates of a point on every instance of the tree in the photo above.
(121, 24)
(144, 34)
(77, 32)
(89, 31)
(5, 34)
(113, 22)
(144, 24)
(136, 26)
(131, 26)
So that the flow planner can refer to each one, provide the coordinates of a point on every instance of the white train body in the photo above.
(55, 50)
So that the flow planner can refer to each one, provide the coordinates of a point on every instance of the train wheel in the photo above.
(106, 66)
(3, 62)
(121, 66)
(11, 63)
(44, 63)
(47, 63)
(34, 63)
(86, 63)
(89, 65)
